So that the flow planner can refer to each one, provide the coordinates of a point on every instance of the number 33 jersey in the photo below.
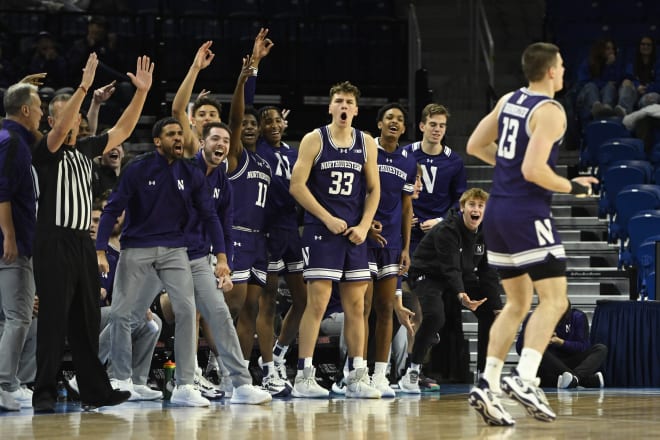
(337, 178)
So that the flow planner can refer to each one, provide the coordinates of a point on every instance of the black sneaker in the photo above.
(593, 380)
(115, 398)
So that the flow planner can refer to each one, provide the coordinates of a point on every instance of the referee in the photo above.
(65, 268)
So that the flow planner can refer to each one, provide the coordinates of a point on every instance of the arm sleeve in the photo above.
(250, 89)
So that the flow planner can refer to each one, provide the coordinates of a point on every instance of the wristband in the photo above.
(83, 88)
(579, 190)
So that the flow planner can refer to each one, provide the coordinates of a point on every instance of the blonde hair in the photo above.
(473, 193)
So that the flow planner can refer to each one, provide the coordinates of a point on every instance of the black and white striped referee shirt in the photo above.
(65, 179)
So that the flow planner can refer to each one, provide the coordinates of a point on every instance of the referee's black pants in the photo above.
(68, 286)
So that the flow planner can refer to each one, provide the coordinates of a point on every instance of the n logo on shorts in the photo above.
(544, 232)
(305, 253)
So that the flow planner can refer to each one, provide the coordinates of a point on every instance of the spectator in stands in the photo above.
(97, 40)
(645, 72)
(645, 123)
(570, 360)
(46, 57)
(8, 71)
(603, 88)
(106, 169)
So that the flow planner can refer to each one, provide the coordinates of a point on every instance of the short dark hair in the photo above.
(214, 124)
(17, 96)
(388, 106)
(537, 59)
(251, 111)
(158, 126)
(263, 110)
(205, 100)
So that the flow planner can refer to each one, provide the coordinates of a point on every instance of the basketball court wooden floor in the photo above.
(582, 414)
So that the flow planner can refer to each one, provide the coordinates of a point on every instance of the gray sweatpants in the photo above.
(144, 343)
(210, 302)
(131, 300)
(16, 302)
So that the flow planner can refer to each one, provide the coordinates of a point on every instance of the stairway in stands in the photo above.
(592, 261)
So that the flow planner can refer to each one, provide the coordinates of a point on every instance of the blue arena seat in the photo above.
(644, 260)
(595, 134)
(629, 201)
(625, 148)
(641, 226)
(618, 175)
(649, 283)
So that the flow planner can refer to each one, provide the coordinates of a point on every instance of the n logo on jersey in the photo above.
(179, 184)
(216, 193)
(305, 253)
(283, 166)
(428, 177)
(544, 232)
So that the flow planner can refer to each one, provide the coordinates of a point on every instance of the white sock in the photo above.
(380, 368)
(308, 362)
(492, 373)
(358, 362)
(414, 367)
(528, 364)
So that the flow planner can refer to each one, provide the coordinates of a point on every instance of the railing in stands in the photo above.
(482, 49)
(414, 64)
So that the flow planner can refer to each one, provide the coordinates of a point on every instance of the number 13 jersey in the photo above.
(514, 134)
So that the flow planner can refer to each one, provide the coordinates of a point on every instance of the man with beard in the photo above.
(159, 192)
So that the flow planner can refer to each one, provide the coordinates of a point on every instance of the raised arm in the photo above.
(128, 120)
(68, 115)
(101, 95)
(202, 60)
(236, 115)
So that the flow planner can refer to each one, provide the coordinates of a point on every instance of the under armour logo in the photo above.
(151, 183)
(237, 244)
(388, 160)
(318, 237)
(429, 160)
